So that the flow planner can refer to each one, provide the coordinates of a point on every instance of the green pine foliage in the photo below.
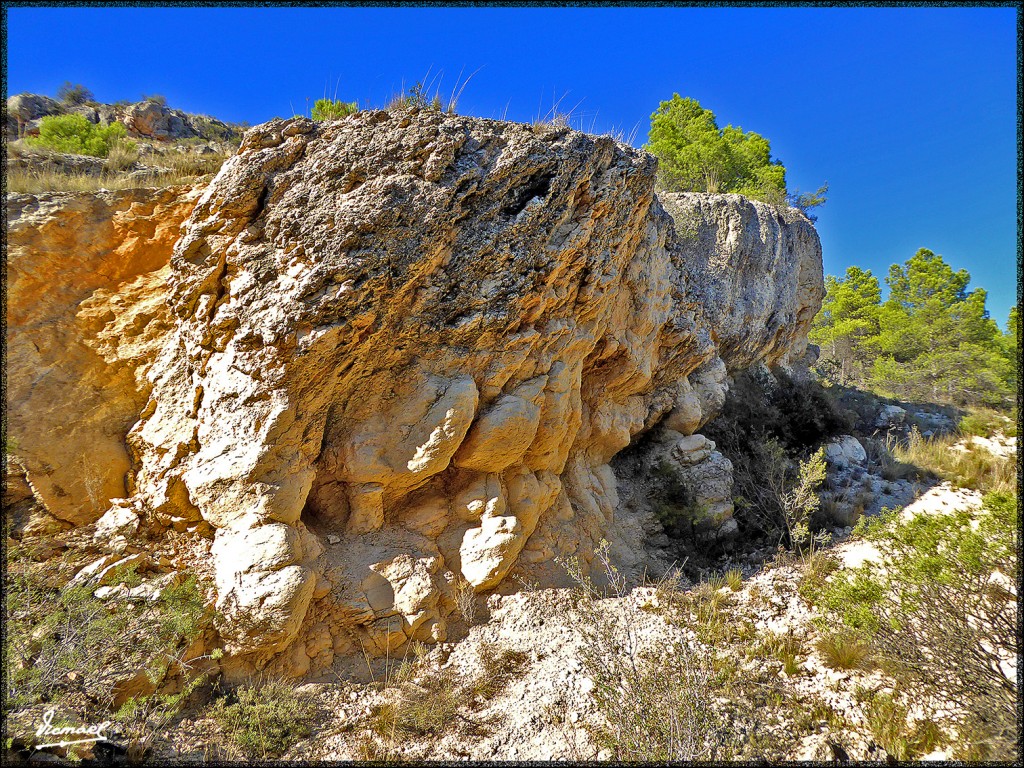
(931, 340)
(695, 155)
(76, 135)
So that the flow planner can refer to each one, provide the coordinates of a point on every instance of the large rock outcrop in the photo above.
(401, 349)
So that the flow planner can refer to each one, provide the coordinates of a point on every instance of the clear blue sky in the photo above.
(908, 113)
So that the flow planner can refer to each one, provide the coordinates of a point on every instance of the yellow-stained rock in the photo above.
(86, 315)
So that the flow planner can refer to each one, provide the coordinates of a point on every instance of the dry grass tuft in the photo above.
(499, 669)
(975, 467)
(170, 169)
(734, 579)
(844, 650)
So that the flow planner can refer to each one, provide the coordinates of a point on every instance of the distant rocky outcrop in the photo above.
(390, 357)
(147, 119)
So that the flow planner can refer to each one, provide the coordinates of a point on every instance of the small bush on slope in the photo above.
(64, 643)
(942, 615)
(74, 94)
(76, 135)
(658, 703)
(333, 109)
(265, 721)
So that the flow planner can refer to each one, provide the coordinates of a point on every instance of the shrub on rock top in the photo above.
(333, 109)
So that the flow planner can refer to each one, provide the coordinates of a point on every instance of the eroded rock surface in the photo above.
(86, 312)
(421, 338)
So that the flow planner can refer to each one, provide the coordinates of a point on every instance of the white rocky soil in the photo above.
(547, 711)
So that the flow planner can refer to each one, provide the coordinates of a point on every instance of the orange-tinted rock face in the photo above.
(86, 311)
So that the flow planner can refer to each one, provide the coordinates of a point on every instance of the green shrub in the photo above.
(983, 422)
(76, 135)
(332, 109)
(941, 614)
(265, 721)
(63, 642)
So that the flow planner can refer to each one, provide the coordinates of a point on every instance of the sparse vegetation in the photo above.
(169, 168)
(817, 566)
(64, 643)
(423, 708)
(500, 667)
(429, 704)
(881, 458)
(416, 97)
(766, 425)
(128, 657)
(264, 721)
(465, 599)
(942, 614)
(888, 722)
(658, 703)
(74, 94)
(333, 109)
(121, 156)
(967, 466)
(984, 422)
(74, 134)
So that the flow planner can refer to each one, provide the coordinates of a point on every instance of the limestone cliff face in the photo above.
(396, 353)
(85, 314)
(756, 272)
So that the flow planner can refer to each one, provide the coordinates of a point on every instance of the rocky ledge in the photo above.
(387, 359)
